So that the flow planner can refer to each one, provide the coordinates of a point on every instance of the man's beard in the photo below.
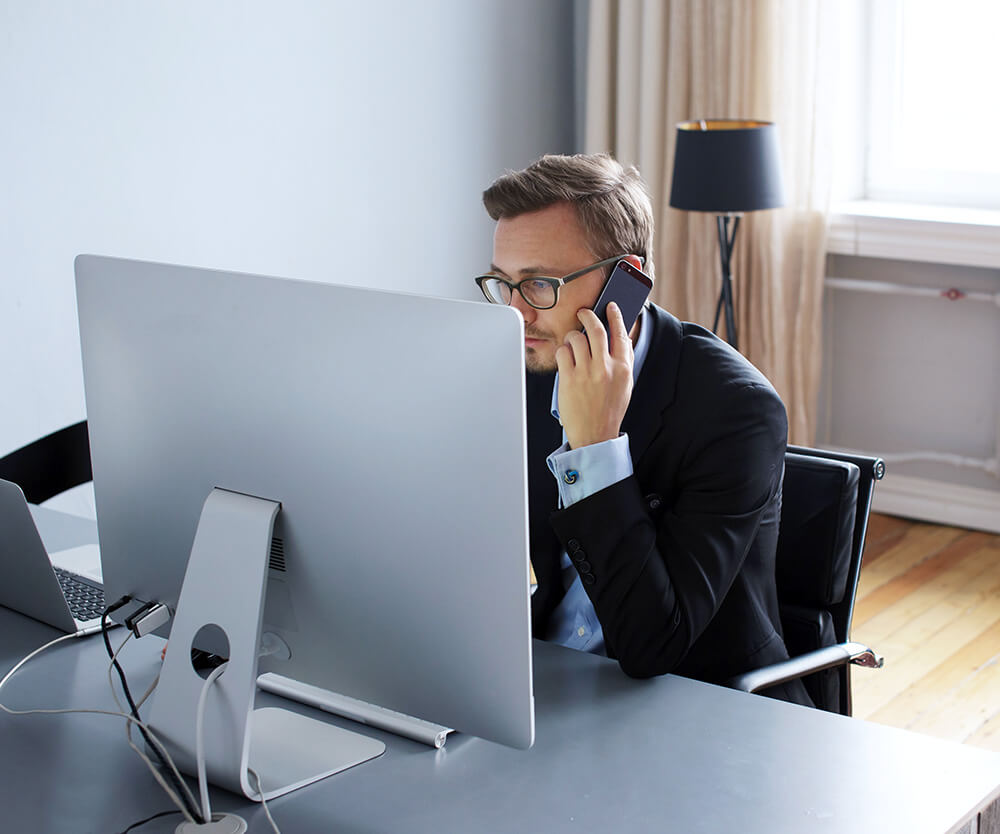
(532, 360)
(536, 367)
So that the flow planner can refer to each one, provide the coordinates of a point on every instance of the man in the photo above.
(655, 456)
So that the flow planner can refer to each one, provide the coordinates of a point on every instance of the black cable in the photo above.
(135, 825)
(174, 781)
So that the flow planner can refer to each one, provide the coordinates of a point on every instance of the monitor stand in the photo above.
(224, 588)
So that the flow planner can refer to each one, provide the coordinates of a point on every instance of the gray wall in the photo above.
(334, 141)
(908, 374)
(917, 380)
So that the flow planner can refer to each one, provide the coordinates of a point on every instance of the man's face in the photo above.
(547, 242)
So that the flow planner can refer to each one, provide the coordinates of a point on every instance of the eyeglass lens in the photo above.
(537, 293)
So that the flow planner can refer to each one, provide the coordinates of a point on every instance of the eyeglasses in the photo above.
(539, 291)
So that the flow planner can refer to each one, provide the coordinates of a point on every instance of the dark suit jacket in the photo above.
(678, 559)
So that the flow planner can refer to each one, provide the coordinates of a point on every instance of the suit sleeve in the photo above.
(657, 552)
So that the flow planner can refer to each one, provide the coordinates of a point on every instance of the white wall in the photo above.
(917, 380)
(318, 139)
(907, 374)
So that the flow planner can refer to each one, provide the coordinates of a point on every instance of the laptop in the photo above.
(64, 591)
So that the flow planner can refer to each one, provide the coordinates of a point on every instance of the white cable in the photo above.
(155, 771)
(148, 692)
(171, 793)
(260, 793)
(111, 680)
(141, 701)
(129, 718)
(199, 743)
(24, 660)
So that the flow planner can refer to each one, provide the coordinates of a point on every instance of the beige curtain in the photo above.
(654, 63)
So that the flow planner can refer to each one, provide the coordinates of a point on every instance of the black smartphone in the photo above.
(628, 287)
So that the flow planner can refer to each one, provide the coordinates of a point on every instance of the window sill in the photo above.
(903, 231)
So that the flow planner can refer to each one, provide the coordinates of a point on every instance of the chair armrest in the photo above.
(797, 667)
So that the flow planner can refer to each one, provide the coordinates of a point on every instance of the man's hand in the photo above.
(595, 378)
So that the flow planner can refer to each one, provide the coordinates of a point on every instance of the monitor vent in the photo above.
(277, 560)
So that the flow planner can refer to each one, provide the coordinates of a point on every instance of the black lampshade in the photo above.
(726, 165)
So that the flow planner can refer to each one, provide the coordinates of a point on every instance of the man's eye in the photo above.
(537, 285)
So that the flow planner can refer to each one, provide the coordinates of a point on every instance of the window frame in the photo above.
(884, 179)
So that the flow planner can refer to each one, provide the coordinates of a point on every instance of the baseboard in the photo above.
(939, 502)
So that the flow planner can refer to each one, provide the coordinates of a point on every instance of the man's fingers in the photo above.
(597, 336)
(565, 361)
(578, 346)
(617, 334)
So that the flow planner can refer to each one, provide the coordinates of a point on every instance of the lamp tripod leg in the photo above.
(718, 312)
(727, 295)
(725, 302)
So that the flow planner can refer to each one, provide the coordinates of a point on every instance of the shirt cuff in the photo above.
(582, 472)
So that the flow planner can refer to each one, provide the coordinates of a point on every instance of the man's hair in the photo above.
(611, 202)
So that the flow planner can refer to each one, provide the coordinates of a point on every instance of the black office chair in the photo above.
(827, 497)
(51, 464)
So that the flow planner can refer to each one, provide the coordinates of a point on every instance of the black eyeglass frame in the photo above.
(555, 283)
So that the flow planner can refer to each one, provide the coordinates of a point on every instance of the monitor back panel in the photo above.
(391, 429)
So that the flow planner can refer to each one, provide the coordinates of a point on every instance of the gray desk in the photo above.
(612, 754)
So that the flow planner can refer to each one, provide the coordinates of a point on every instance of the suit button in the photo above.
(654, 501)
(579, 556)
(589, 578)
(573, 545)
(583, 567)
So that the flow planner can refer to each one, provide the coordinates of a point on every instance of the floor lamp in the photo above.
(727, 167)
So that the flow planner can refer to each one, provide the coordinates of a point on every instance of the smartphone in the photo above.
(629, 288)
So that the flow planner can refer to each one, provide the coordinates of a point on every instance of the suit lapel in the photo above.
(653, 393)
(656, 386)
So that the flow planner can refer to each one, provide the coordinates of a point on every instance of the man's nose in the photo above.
(528, 313)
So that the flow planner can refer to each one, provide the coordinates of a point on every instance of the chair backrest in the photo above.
(826, 502)
(51, 464)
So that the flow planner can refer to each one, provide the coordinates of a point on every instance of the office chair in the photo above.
(51, 464)
(826, 500)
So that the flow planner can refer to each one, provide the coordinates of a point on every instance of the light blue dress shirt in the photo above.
(580, 473)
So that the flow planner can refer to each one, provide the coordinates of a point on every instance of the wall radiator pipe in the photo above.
(887, 288)
(989, 465)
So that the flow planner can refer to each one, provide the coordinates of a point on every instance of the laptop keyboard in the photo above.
(85, 601)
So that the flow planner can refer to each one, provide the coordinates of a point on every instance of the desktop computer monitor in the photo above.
(390, 428)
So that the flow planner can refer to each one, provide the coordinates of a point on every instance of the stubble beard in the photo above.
(534, 364)
(537, 363)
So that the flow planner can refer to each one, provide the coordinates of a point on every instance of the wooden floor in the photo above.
(929, 602)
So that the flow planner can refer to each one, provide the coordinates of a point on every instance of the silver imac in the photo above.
(384, 433)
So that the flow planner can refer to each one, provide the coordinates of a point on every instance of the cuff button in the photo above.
(571, 476)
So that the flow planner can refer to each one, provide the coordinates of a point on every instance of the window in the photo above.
(933, 132)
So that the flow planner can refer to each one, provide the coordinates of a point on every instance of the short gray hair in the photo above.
(611, 201)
